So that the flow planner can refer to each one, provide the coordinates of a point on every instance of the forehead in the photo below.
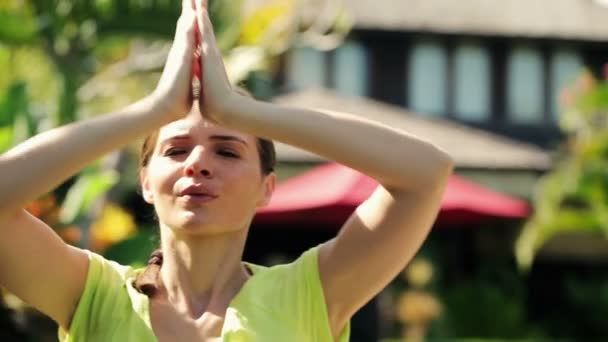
(195, 126)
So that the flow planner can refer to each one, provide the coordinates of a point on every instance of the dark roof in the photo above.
(563, 19)
(470, 148)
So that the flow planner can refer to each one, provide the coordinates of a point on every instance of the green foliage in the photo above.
(134, 251)
(92, 183)
(18, 25)
(587, 300)
(574, 196)
(227, 22)
(484, 310)
(491, 305)
(17, 123)
(6, 138)
(577, 309)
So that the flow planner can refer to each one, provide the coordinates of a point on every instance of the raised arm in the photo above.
(35, 263)
(387, 230)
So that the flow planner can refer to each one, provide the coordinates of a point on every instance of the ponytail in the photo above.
(147, 281)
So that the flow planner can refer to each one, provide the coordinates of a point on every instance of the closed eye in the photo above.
(174, 152)
(227, 153)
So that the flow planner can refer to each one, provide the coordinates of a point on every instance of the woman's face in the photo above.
(205, 179)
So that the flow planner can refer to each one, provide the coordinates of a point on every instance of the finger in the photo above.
(201, 10)
(208, 40)
(202, 4)
(196, 65)
(186, 28)
(182, 48)
(208, 24)
(187, 5)
(204, 23)
(211, 57)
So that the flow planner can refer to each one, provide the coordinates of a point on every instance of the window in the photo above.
(566, 64)
(306, 68)
(350, 69)
(427, 78)
(525, 77)
(472, 83)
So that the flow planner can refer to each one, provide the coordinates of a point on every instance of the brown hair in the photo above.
(146, 282)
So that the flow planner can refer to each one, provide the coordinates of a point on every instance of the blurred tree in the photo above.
(574, 196)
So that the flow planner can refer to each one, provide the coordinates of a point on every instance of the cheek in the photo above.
(162, 176)
(245, 187)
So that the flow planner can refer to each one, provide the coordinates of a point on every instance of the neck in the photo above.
(202, 273)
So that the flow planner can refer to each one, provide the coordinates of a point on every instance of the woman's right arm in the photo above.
(35, 264)
(44, 161)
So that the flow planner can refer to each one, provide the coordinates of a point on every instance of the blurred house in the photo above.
(494, 65)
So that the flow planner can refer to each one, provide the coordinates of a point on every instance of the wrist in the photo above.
(232, 107)
(159, 109)
(151, 110)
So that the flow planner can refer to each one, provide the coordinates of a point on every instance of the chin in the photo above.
(195, 226)
(200, 226)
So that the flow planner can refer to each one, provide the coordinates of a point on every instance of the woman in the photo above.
(206, 175)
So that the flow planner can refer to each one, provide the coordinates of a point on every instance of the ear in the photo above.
(145, 186)
(269, 184)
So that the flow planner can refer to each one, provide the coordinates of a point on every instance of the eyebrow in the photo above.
(175, 137)
(228, 138)
(212, 137)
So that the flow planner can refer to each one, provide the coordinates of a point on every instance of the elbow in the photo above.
(445, 165)
(437, 175)
(433, 173)
(442, 170)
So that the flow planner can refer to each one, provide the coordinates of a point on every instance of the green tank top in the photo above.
(279, 303)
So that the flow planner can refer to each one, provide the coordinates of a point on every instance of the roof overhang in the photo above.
(471, 148)
(557, 19)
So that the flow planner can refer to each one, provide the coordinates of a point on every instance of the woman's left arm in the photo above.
(385, 232)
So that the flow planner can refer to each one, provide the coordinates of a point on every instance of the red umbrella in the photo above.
(328, 194)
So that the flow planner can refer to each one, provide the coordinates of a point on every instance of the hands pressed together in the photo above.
(194, 61)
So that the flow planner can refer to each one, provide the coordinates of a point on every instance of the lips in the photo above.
(197, 194)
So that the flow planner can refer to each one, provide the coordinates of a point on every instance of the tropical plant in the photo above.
(574, 196)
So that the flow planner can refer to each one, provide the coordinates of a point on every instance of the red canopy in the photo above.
(328, 194)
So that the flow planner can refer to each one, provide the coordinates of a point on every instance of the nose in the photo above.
(198, 163)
